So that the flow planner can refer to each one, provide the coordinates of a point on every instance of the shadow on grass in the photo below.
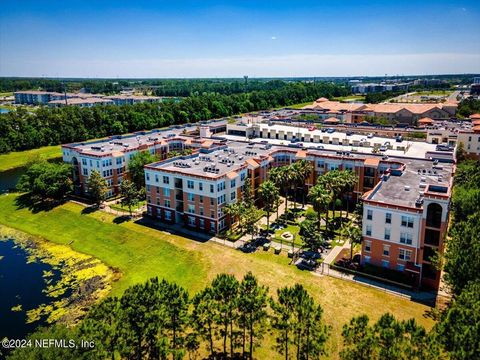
(35, 204)
(175, 229)
(89, 209)
(121, 219)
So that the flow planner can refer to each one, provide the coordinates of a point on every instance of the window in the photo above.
(190, 184)
(148, 188)
(85, 172)
(407, 221)
(232, 183)
(406, 238)
(212, 188)
(166, 180)
(386, 250)
(388, 218)
(166, 192)
(385, 263)
(367, 259)
(156, 178)
(221, 199)
(202, 223)
(368, 246)
(167, 203)
(369, 230)
(158, 201)
(212, 201)
(84, 162)
(191, 221)
(200, 186)
(191, 209)
(369, 214)
(201, 199)
(168, 215)
(404, 254)
(201, 211)
(387, 234)
(191, 197)
(221, 186)
(242, 176)
(148, 176)
(212, 226)
(400, 267)
(232, 196)
(118, 161)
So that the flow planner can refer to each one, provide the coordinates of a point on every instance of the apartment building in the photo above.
(132, 99)
(111, 156)
(194, 190)
(399, 112)
(471, 140)
(405, 219)
(36, 97)
(406, 201)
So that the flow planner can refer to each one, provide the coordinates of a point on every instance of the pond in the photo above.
(4, 111)
(22, 284)
(9, 178)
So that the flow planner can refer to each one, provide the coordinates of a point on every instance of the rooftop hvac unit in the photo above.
(407, 188)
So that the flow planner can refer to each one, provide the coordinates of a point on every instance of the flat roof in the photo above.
(220, 161)
(415, 179)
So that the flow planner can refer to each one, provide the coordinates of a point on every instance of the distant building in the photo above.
(36, 97)
(394, 112)
(372, 88)
(81, 102)
(82, 99)
(132, 99)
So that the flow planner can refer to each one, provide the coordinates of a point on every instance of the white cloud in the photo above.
(273, 38)
(254, 66)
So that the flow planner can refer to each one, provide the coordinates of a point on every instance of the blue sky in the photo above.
(236, 38)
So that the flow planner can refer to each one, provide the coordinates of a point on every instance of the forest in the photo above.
(23, 129)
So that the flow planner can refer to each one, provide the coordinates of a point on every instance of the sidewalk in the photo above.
(330, 258)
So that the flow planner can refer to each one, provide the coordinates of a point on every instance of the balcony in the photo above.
(432, 237)
(178, 183)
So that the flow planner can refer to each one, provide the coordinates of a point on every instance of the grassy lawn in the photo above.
(350, 98)
(434, 93)
(21, 158)
(120, 207)
(140, 252)
(295, 106)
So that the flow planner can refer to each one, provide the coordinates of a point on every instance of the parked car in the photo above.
(399, 138)
(349, 133)
(330, 130)
(370, 136)
(383, 148)
(311, 128)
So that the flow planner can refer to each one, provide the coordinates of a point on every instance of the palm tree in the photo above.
(295, 178)
(303, 169)
(269, 194)
(281, 177)
(332, 181)
(350, 180)
(320, 198)
(352, 232)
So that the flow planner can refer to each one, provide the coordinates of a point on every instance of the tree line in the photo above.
(228, 319)
(23, 129)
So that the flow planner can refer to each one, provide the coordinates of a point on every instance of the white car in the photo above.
(370, 136)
